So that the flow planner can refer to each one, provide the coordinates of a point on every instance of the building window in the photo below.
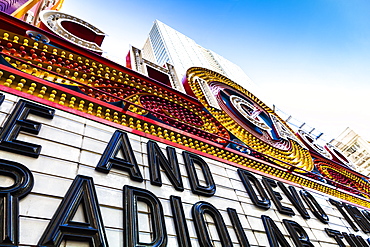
(352, 149)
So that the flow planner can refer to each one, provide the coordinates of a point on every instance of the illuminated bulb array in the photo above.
(64, 64)
(172, 109)
(159, 105)
(193, 120)
(340, 177)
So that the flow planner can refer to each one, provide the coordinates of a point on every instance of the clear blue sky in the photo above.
(311, 58)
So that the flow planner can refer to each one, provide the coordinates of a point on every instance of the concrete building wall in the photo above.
(182, 52)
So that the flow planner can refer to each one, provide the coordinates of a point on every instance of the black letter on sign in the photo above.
(62, 226)
(362, 241)
(18, 122)
(355, 241)
(196, 188)
(198, 211)
(294, 199)
(297, 233)
(337, 235)
(366, 214)
(247, 179)
(109, 159)
(2, 98)
(233, 215)
(339, 206)
(131, 195)
(314, 206)
(179, 220)
(170, 166)
(276, 196)
(358, 217)
(274, 235)
(9, 200)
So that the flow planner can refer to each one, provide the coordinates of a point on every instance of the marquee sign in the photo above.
(76, 181)
(94, 154)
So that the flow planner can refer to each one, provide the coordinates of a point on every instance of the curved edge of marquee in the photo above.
(53, 19)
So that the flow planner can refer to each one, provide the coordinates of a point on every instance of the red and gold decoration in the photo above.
(309, 141)
(333, 168)
(343, 178)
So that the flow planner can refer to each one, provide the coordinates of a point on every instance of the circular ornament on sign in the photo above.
(309, 140)
(54, 20)
(248, 118)
(339, 156)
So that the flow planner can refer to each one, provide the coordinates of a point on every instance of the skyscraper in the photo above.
(166, 45)
(355, 148)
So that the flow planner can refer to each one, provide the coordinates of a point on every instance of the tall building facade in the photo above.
(166, 45)
(356, 148)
